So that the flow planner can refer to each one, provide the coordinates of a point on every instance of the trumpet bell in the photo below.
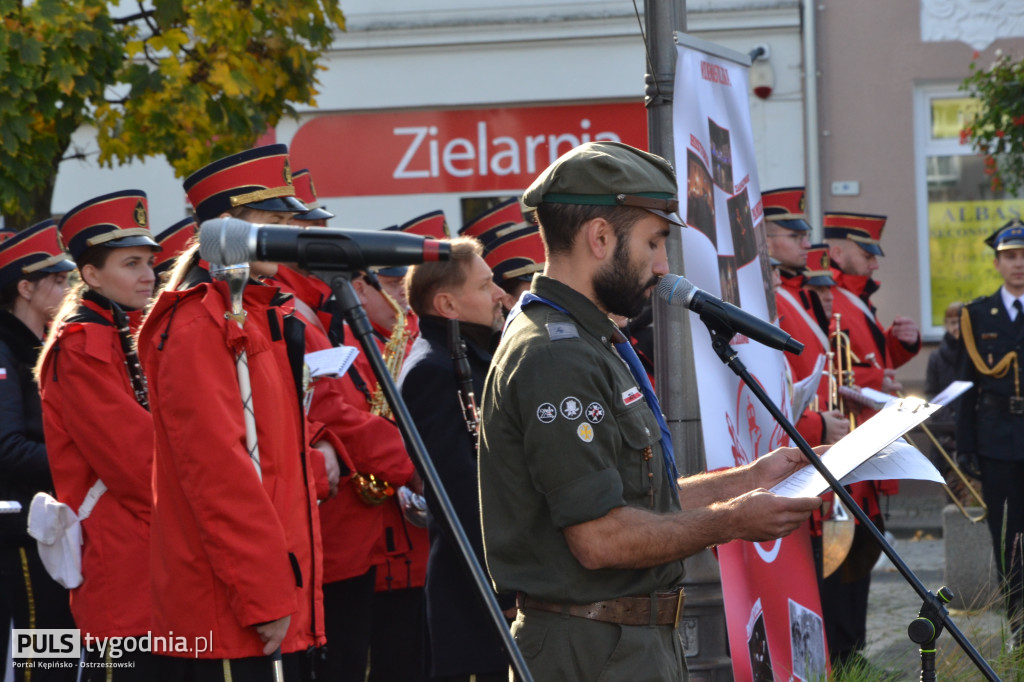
(836, 538)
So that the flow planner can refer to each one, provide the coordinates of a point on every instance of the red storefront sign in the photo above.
(469, 150)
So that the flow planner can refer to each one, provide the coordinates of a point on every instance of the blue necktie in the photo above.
(627, 353)
(640, 374)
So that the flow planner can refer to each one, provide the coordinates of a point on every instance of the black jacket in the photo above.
(24, 468)
(985, 425)
(463, 638)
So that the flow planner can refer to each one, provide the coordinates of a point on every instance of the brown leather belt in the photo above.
(667, 608)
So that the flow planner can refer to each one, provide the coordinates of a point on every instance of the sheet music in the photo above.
(951, 392)
(860, 445)
(331, 362)
(805, 389)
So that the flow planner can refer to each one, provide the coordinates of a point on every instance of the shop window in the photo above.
(957, 207)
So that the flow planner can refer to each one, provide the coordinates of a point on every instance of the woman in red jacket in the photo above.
(236, 550)
(98, 430)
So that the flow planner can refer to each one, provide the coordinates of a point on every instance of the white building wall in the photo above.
(455, 54)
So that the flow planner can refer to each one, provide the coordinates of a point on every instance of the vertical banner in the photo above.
(772, 605)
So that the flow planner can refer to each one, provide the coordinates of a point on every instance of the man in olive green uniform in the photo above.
(582, 515)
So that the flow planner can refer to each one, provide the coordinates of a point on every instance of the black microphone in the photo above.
(678, 290)
(227, 241)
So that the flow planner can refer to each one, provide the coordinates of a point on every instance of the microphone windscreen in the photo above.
(225, 241)
(675, 290)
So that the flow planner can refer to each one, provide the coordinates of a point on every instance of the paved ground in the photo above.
(916, 526)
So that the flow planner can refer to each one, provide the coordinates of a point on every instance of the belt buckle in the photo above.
(1016, 405)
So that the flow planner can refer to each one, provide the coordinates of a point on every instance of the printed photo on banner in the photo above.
(700, 198)
(721, 156)
(807, 642)
(727, 279)
(744, 243)
(757, 645)
(766, 273)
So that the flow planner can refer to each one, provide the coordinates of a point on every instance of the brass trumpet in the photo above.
(841, 359)
(956, 469)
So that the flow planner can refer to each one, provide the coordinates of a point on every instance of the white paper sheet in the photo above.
(858, 446)
(805, 389)
(951, 392)
(331, 362)
(10, 507)
(898, 460)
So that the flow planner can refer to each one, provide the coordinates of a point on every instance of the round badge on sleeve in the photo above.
(586, 432)
(571, 408)
(595, 413)
(546, 413)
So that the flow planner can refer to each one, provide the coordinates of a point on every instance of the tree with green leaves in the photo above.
(192, 80)
(998, 130)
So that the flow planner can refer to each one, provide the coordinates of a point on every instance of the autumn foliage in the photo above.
(998, 131)
(191, 80)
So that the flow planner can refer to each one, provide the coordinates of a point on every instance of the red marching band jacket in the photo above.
(95, 429)
(877, 350)
(229, 550)
(801, 325)
(354, 531)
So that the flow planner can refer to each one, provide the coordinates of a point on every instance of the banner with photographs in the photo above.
(773, 610)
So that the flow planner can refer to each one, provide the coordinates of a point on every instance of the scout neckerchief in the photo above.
(636, 368)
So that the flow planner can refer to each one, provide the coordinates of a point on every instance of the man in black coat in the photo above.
(990, 423)
(463, 641)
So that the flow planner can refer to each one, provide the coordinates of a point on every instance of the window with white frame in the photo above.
(957, 208)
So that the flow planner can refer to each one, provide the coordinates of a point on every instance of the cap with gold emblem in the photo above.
(306, 193)
(518, 257)
(785, 207)
(819, 267)
(608, 174)
(173, 240)
(259, 178)
(113, 220)
(864, 229)
(34, 249)
(1009, 236)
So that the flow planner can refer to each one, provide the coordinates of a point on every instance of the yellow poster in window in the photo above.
(961, 262)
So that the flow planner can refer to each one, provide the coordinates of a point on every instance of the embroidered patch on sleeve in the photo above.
(571, 408)
(562, 330)
(631, 396)
(546, 413)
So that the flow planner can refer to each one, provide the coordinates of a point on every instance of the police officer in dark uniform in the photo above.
(990, 426)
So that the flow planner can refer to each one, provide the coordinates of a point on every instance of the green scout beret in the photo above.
(608, 174)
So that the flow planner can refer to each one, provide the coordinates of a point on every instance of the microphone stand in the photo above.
(933, 617)
(356, 317)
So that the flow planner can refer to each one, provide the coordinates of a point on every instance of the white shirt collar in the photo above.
(1008, 300)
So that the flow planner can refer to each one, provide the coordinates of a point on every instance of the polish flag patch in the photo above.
(3, 372)
(631, 396)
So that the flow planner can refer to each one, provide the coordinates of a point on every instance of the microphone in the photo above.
(227, 241)
(677, 290)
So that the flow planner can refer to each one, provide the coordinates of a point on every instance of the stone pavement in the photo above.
(915, 526)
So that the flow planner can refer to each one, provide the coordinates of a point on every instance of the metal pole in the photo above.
(812, 185)
(703, 624)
